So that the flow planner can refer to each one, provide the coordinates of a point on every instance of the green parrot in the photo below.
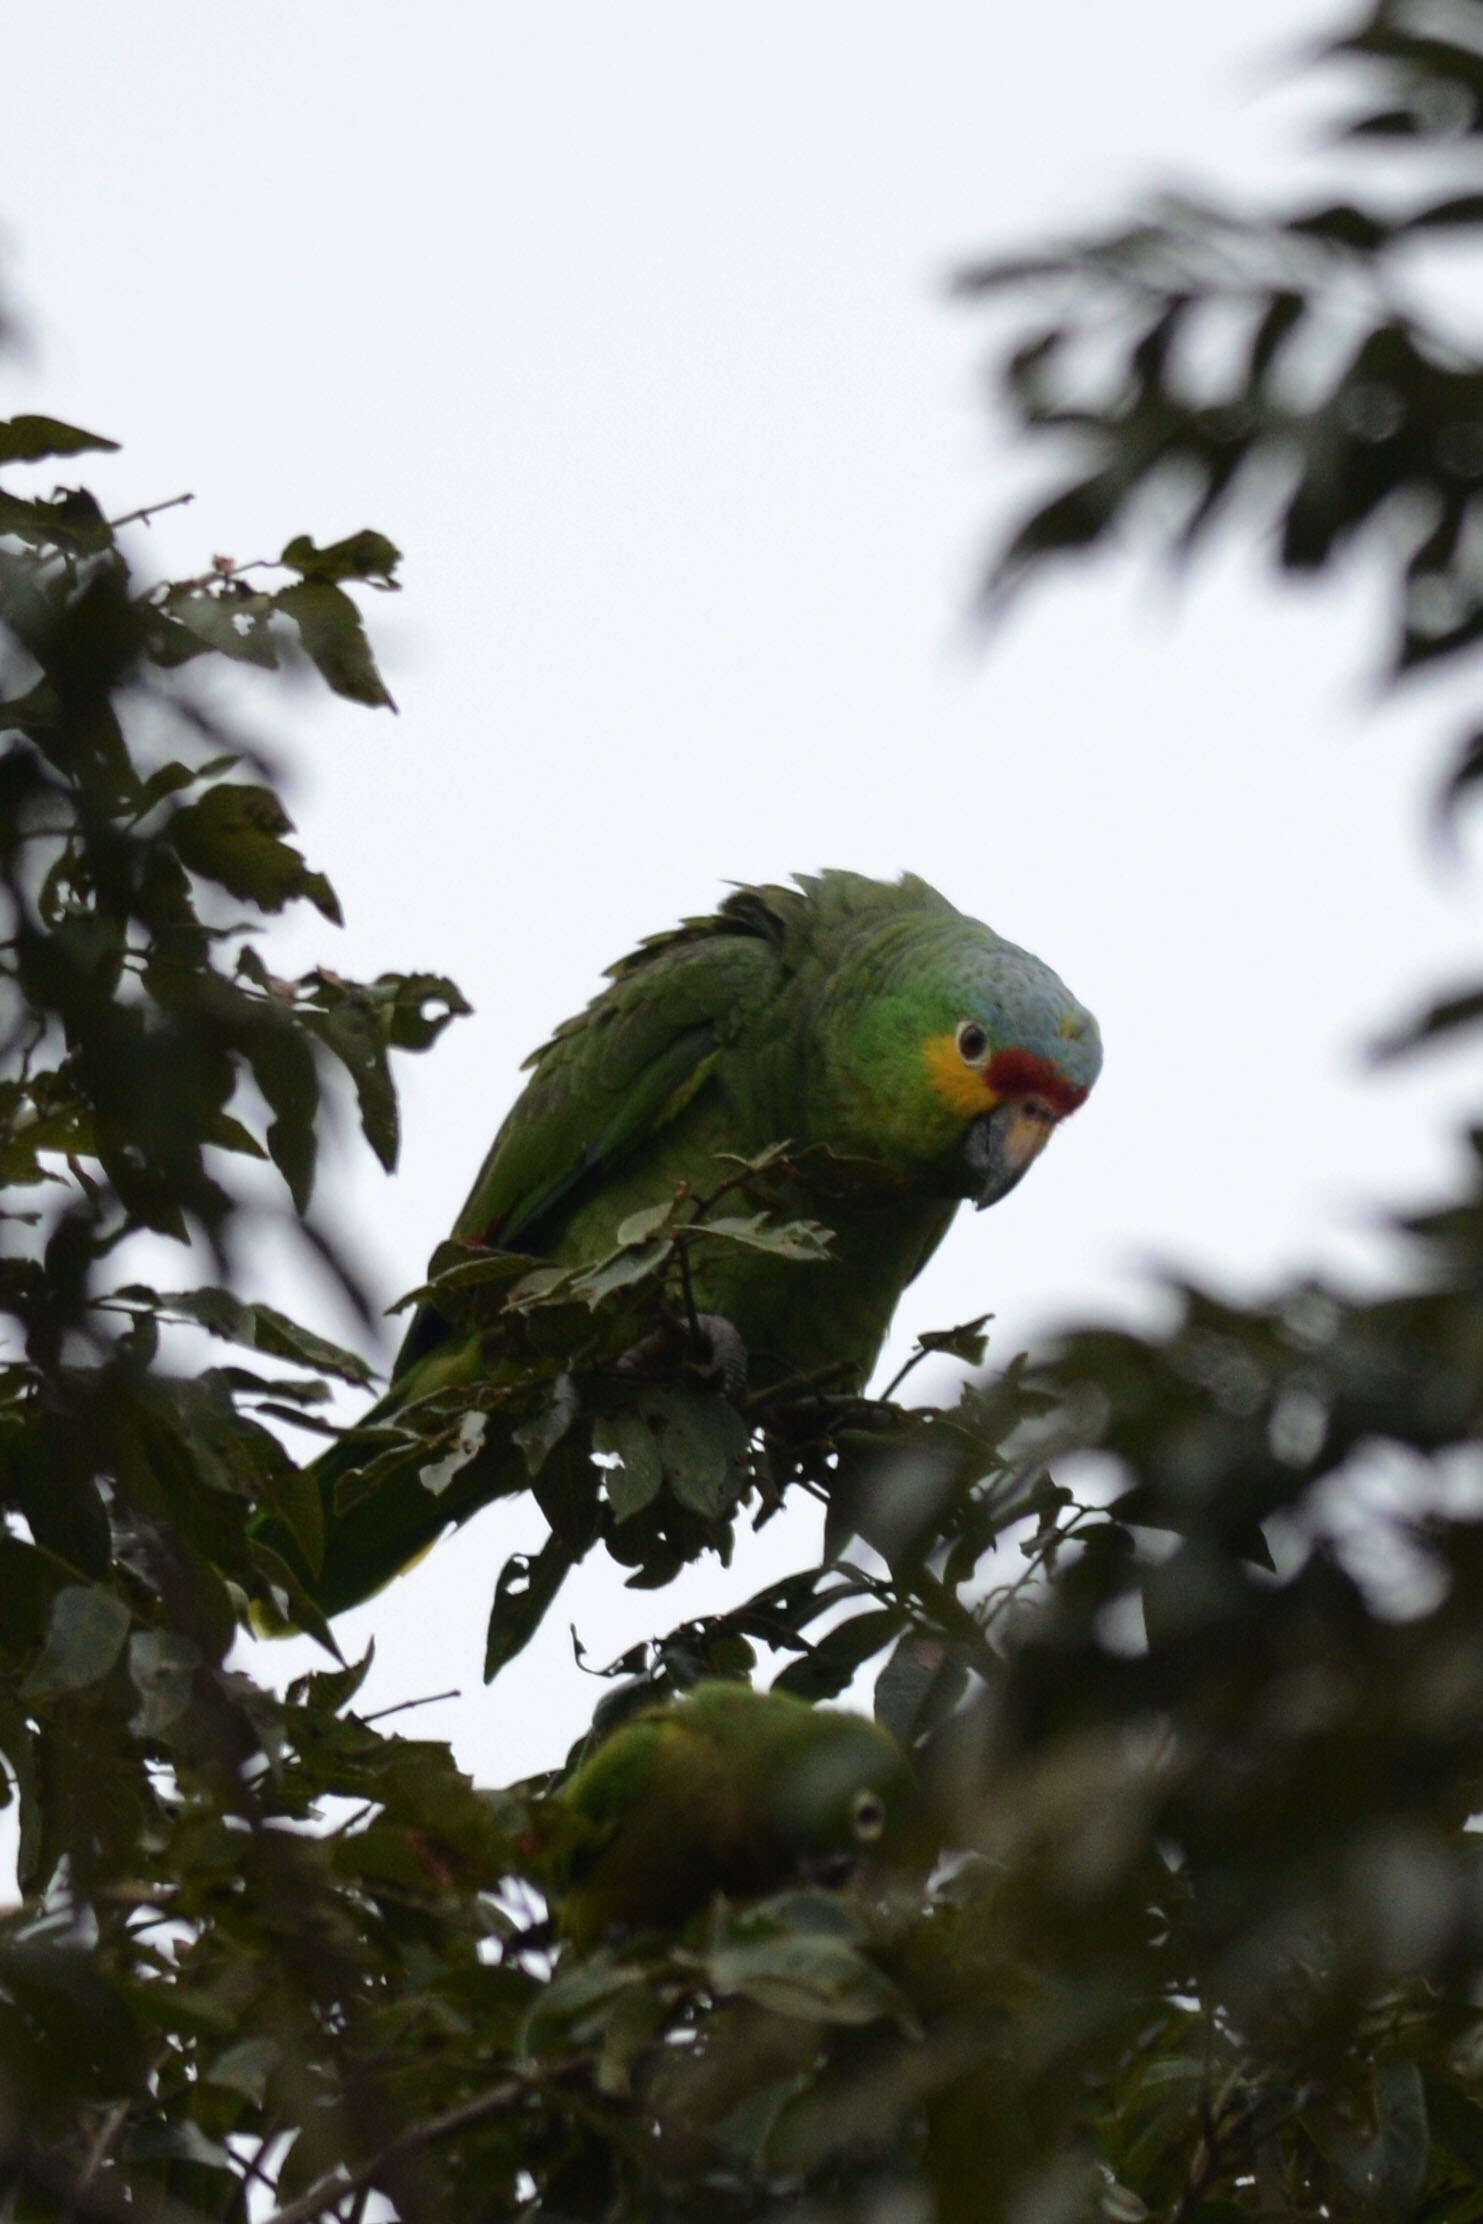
(729, 1790)
(868, 1018)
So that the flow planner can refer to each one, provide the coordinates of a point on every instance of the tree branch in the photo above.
(150, 509)
(336, 2185)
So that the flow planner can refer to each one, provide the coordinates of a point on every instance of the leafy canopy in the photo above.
(1210, 1944)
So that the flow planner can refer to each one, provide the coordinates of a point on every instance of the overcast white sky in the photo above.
(628, 326)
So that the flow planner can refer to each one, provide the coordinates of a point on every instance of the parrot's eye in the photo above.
(972, 1042)
(867, 1816)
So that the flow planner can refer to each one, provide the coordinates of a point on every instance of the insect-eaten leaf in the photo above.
(525, 1589)
(469, 1442)
(415, 1007)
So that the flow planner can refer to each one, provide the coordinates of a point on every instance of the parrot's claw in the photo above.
(711, 1343)
(727, 1354)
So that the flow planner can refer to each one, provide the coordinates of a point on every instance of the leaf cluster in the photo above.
(1182, 1631)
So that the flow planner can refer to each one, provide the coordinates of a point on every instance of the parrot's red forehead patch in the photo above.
(1019, 1073)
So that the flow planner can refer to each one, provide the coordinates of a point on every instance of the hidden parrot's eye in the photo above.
(972, 1042)
(867, 1816)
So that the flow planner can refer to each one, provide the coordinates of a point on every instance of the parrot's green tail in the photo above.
(372, 1537)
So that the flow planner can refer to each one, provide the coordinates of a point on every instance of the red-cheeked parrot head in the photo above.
(959, 1054)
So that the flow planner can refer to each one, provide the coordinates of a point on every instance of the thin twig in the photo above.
(108, 2131)
(1213, 2144)
(692, 1318)
(434, 1698)
(151, 509)
(901, 1374)
(336, 2185)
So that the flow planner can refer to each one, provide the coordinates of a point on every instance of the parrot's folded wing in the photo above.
(606, 1083)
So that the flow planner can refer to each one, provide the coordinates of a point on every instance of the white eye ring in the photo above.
(972, 1042)
(867, 1815)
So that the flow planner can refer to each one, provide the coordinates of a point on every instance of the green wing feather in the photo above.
(607, 1083)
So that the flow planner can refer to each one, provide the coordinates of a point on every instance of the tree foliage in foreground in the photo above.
(1211, 1940)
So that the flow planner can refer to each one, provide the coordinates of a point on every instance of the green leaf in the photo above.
(258, 1327)
(335, 641)
(85, 1637)
(1392, 2168)
(162, 1667)
(166, 780)
(525, 1589)
(620, 1271)
(639, 1476)
(808, 1973)
(324, 1691)
(226, 1134)
(29, 439)
(245, 2068)
(702, 1441)
(539, 1437)
(967, 1341)
(72, 522)
(640, 1226)
(364, 555)
(827, 1667)
(437, 1474)
(416, 1007)
(350, 1028)
(788, 1239)
(292, 1601)
(234, 624)
(919, 1686)
(281, 1338)
(232, 835)
(283, 1067)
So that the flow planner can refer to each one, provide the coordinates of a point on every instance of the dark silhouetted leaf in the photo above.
(33, 439)
(334, 639)
(365, 555)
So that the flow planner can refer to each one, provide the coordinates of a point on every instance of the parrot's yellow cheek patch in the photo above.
(963, 1087)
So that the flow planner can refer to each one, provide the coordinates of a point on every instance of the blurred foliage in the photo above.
(1185, 1632)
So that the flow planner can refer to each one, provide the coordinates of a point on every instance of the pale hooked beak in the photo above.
(1004, 1144)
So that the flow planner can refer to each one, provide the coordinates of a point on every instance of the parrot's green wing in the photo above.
(605, 1084)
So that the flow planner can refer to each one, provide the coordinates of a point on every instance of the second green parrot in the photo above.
(729, 1790)
(845, 1016)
